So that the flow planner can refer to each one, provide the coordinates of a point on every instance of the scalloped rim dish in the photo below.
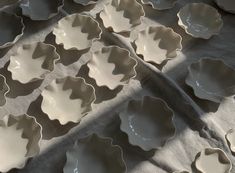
(4, 90)
(73, 34)
(33, 62)
(67, 99)
(213, 156)
(31, 135)
(200, 91)
(226, 5)
(91, 146)
(119, 17)
(35, 13)
(16, 36)
(153, 137)
(158, 43)
(200, 29)
(85, 2)
(111, 66)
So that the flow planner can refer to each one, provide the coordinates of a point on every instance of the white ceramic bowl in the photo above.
(160, 4)
(226, 5)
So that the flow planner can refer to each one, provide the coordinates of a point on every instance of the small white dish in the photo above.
(32, 62)
(211, 79)
(41, 9)
(67, 99)
(20, 138)
(77, 31)
(111, 66)
(11, 29)
(213, 160)
(85, 2)
(118, 15)
(226, 5)
(4, 90)
(230, 137)
(160, 4)
(158, 43)
(200, 25)
(148, 123)
(95, 154)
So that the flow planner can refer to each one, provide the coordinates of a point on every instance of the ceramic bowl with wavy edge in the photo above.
(4, 89)
(211, 159)
(118, 15)
(160, 4)
(111, 66)
(226, 5)
(85, 2)
(20, 139)
(95, 153)
(32, 62)
(77, 31)
(200, 25)
(230, 137)
(148, 123)
(67, 99)
(158, 43)
(11, 29)
(41, 10)
(211, 79)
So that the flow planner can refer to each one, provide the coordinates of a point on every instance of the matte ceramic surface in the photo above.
(67, 99)
(41, 9)
(200, 25)
(11, 29)
(148, 123)
(158, 43)
(77, 31)
(211, 79)
(20, 137)
(160, 4)
(118, 15)
(95, 154)
(213, 160)
(4, 89)
(230, 136)
(32, 62)
(85, 2)
(111, 66)
(226, 5)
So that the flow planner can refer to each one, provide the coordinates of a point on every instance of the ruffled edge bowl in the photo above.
(48, 62)
(85, 2)
(156, 6)
(4, 90)
(17, 35)
(226, 7)
(125, 126)
(68, 83)
(203, 8)
(30, 128)
(106, 142)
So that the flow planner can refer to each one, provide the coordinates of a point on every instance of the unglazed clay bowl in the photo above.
(20, 137)
(41, 9)
(85, 2)
(111, 66)
(148, 123)
(158, 43)
(67, 99)
(200, 25)
(230, 137)
(95, 154)
(4, 89)
(32, 62)
(77, 31)
(160, 4)
(212, 160)
(226, 5)
(11, 29)
(118, 15)
(211, 79)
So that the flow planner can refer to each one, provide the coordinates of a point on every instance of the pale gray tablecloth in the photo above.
(199, 123)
